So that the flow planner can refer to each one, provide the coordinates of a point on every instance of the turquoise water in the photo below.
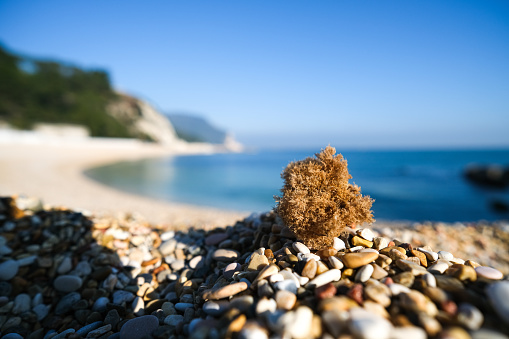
(406, 185)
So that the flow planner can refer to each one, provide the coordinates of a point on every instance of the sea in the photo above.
(406, 185)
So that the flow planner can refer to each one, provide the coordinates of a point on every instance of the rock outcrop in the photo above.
(142, 119)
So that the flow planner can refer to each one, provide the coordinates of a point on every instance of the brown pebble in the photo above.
(358, 241)
(421, 256)
(225, 291)
(309, 269)
(354, 260)
(356, 292)
(325, 291)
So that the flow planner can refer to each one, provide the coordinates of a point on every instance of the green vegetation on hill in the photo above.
(33, 91)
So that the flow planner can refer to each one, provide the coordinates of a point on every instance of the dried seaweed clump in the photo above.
(318, 202)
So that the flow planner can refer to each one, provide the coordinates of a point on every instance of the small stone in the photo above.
(366, 325)
(430, 255)
(65, 266)
(488, 273)
(397, 289)
(139, 327)
(121, 296)
(197, 262)
(326, 277)
(8, 269)
(266, 306)
(174, 320)
(300, 247)
(445, 255)
(409, 266)
(168, 247)
(366, 233)
(338, 244)
(215, 238)
(285, 300)
(358, 241)
(267, 271)
(421, 256)
(380, 243)
(408, 332)
(465, 272)
(252, 330)
(470, 316)
(354, 260)
(21, 303)
(440, 266)
(325, 291)
(378, 272)
(112, 318)
(430, 280)
(138, 306)
(231, 269)
(99, 332)
(309, 269)
(498, 295)
(379, 293)
(65, 304)
(183, 306)
(216, 308)
(335, 263)
(287, 285)
(406, 279)
(257, 262)
(100, 304)
(225, 291)
(225, 255)
(364, 273)
(67, 283)
(41, 311)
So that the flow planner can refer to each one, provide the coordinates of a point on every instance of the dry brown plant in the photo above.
(317, 202)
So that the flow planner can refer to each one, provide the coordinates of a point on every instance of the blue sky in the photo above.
(353, 74)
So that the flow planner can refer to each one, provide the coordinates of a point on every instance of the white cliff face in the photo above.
(155, 125)
(143, 120)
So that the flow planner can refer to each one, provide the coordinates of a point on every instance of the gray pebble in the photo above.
(21, 303)
(65, 304)
(67, 283)
(90, 327)
(8, 269)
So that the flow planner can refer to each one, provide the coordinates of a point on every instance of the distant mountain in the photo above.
(193, 128)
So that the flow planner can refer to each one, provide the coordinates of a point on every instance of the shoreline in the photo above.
(52, 169)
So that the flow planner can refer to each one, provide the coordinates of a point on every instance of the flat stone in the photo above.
(216, 308)
(121, 296)
(225, 291)
(168, 247)
(21, 303)
(379, 293)
(469, 316)
(215, 238)
(430, 255)
(99, 331)
(498, 295)
(410, 266)
(378, 272)
(41, 311)
(445, 255)
(354, 260)
(326, 277)
(257, 262)
(285, 300)
(380, 243)
(465, 272)
(197, 262)
(65, 266)
(440, 266)
(488, 273)
(287, 285)
(100, 304)
(139, 327)
(183, 306)
(408, 332)
(267, 271)
(8, 269)
(231, 269)
(225, 255)
(300, 247)
(67, 283)
(65, 304)
(174, 320)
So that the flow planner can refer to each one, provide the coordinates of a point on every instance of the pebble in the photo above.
(67, 283)
(488, 273)
(225, 291)
(22, 303)
(364, 273)
(216, 308)
(338, 244)
(445, 255)
(215, 238)
(366, 325)
(121, 296)
(336, 263)
(409, 332)
(300, 247)
(310, 268)
(326, 277)
(285, 300)
(430, 255)
(257, 262)
(287, 285)
(225, 255)
(470, 316)
(366, 233)
(8, 269)
(139, 327)
(174, 320)
(354, 260)
(498, 295)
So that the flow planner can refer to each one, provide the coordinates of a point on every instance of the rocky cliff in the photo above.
(142, 120)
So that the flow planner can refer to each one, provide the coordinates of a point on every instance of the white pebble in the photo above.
(300, 247)
(430, 279)
(430, 255)
(335, 263)
(338, 244)
(364, 273)
(138, 306)
(366, 233)
(488, 273)
(365, 325)
(445, 255)
(326, 277)
(397, 289)
(275, 278)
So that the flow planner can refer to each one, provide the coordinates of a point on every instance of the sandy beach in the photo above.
(52, 169)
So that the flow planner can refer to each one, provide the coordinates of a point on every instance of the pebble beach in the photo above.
(86, 261)
(67, 275)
